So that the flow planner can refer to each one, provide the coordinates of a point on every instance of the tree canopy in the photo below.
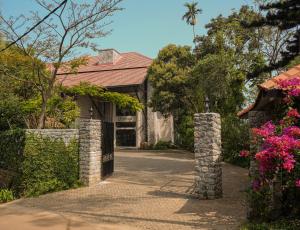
(284, 15)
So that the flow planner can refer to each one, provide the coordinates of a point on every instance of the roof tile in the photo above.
(130, 69)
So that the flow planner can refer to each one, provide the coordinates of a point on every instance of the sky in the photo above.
(146, 26)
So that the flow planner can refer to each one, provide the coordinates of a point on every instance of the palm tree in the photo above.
(191, 15)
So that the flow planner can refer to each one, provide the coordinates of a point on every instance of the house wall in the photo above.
(159, 127)
(148, 123)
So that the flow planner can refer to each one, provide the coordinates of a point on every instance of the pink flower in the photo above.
(256, 185)
(297, 183)
(289, 163)
(266, 130)
(284, 84)
(294, 92)
(293, 113)
(244, 153)
(292, 131)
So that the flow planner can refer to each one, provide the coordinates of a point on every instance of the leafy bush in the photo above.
(38, 164)
(6, 195)
(49, 165)
(185, 132)
(162, 145)
(11, 149)
(278, 158)
(235, 137)
(282, 224)
(11, 114)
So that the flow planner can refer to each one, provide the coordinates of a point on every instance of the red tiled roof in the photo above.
(130, 69)
(271, 84)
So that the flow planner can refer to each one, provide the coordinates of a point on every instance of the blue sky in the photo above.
(146, 26)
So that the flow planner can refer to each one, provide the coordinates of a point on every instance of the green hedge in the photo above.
(12, 143)
(49, 165)
(42, 164)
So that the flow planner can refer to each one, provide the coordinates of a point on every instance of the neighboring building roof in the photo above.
(269, 85)
(119, 69)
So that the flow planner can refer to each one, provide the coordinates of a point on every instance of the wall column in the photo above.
(90, 151)
(207, 143)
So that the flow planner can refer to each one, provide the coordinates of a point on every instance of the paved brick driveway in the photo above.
(149, 190)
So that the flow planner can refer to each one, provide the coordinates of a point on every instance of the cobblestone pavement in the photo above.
(151, 190)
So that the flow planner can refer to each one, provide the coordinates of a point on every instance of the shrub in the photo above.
(282, 224)
(163, 145)
(6, 195)
(11, 149)
(49, 165)
(278, 158)
(38, 164)
(235, 137)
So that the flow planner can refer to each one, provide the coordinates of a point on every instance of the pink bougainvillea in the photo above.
(290, 85)
(280, 143)
(293, 113)
(244, 153)
(297, 183)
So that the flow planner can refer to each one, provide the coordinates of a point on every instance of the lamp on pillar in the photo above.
(206, 104)
(91, 111)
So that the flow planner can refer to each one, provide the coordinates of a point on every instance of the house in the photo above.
(124, 73)
(269, 95)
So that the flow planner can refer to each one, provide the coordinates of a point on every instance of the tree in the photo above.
(168, 75)
(191, 15)
(58, 39)
(285, 15)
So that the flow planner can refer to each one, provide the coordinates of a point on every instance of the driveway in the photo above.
(149, 190)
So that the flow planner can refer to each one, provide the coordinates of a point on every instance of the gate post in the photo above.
(207, 144)
(90, 152)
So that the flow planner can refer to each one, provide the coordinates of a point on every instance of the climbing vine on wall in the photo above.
(120, 99)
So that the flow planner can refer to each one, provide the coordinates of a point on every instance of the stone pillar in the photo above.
(207, 143)
(90, 151)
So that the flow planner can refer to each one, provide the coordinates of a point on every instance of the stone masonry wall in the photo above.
(66, 134)
(207, 134)
(90, 151)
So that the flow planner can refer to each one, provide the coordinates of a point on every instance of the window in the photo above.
(125, 124)
(126, 137)
(124, 112)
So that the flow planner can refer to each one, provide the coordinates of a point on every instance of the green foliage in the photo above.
(119, 99)
(11, 114)
(11, 149)
(39, 164)
(235, 138)
(217, 77)
(168, 75)
(162, 145)
(49, 165)
(63, 110)
(6, 195)
(281, 224)
(184, 126)
(285, 16)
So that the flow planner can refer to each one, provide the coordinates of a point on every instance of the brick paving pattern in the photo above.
(151, 190)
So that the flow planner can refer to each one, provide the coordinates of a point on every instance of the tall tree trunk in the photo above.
(42, 117)
(194, 35)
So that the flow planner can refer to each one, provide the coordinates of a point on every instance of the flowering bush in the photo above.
(278, 158)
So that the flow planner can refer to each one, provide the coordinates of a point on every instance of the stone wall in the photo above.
(90, 151)
(207, 134)
(66, 134)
